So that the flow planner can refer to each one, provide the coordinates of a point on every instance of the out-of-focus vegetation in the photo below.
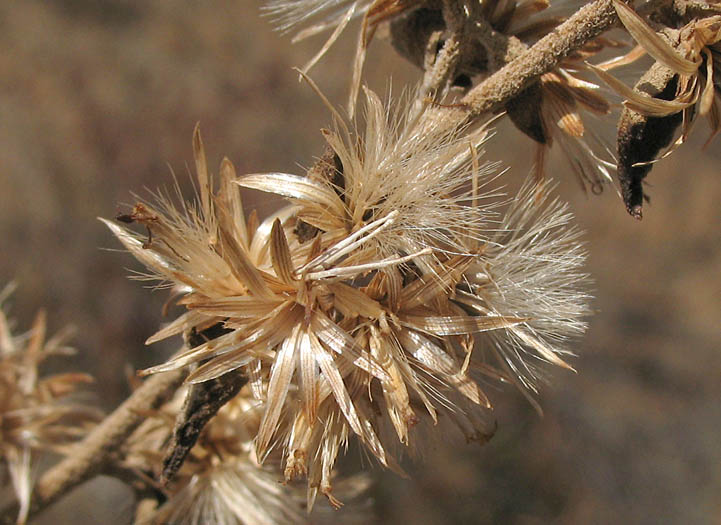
(98, 99)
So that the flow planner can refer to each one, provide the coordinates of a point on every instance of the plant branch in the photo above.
(494, 92)
(89, 457)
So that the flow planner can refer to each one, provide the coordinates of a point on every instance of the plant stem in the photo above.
(494, 92)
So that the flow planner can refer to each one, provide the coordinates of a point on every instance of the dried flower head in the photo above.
(685, 82)
(221, 481)
(365, 307)
(34, 416)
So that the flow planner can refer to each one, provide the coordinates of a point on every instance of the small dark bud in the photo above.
(524, 111)
(641, 138)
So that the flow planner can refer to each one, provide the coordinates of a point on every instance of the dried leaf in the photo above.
(331, 373)
(243, 268)
(294, 187)
(338, 340)
(280, 375)
(640, 102)
(309, 378)
(177, 326)
(708, 94)
(229, 195)
(351, 302)
(201, 168)
(629, 58)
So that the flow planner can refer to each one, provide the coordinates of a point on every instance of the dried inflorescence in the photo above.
(380, 298)
(35, 416)
(222, 481)
(685, 82)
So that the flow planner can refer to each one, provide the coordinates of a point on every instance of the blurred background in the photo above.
(98, 99)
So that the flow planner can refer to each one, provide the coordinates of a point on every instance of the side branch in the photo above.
(90, 455)
(509, 81)
(494, 92)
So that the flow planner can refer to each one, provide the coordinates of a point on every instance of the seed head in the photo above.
(366, 306)
(682, 84)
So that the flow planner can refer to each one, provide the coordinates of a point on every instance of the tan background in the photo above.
(97, 99)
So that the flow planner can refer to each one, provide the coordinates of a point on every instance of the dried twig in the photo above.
(507, 83)
(201, 404)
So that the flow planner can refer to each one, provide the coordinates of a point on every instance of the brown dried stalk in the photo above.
(201, 404)
(89, 457)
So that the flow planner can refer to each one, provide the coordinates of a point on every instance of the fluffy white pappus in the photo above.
(233, 493)
(313, 16)
(403, 166)
(533, 270)
(425, 172)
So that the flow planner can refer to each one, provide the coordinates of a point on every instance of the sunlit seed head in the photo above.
(398, 165)
(378, 303)
(532, 270)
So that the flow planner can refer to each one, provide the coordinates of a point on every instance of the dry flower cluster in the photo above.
(376, 300)
(37, 413)
(396, 283)
(221, 480)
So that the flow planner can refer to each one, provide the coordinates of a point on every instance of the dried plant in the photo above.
(394, 285)
(37, 415)
(362, 306)
(221, 480)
